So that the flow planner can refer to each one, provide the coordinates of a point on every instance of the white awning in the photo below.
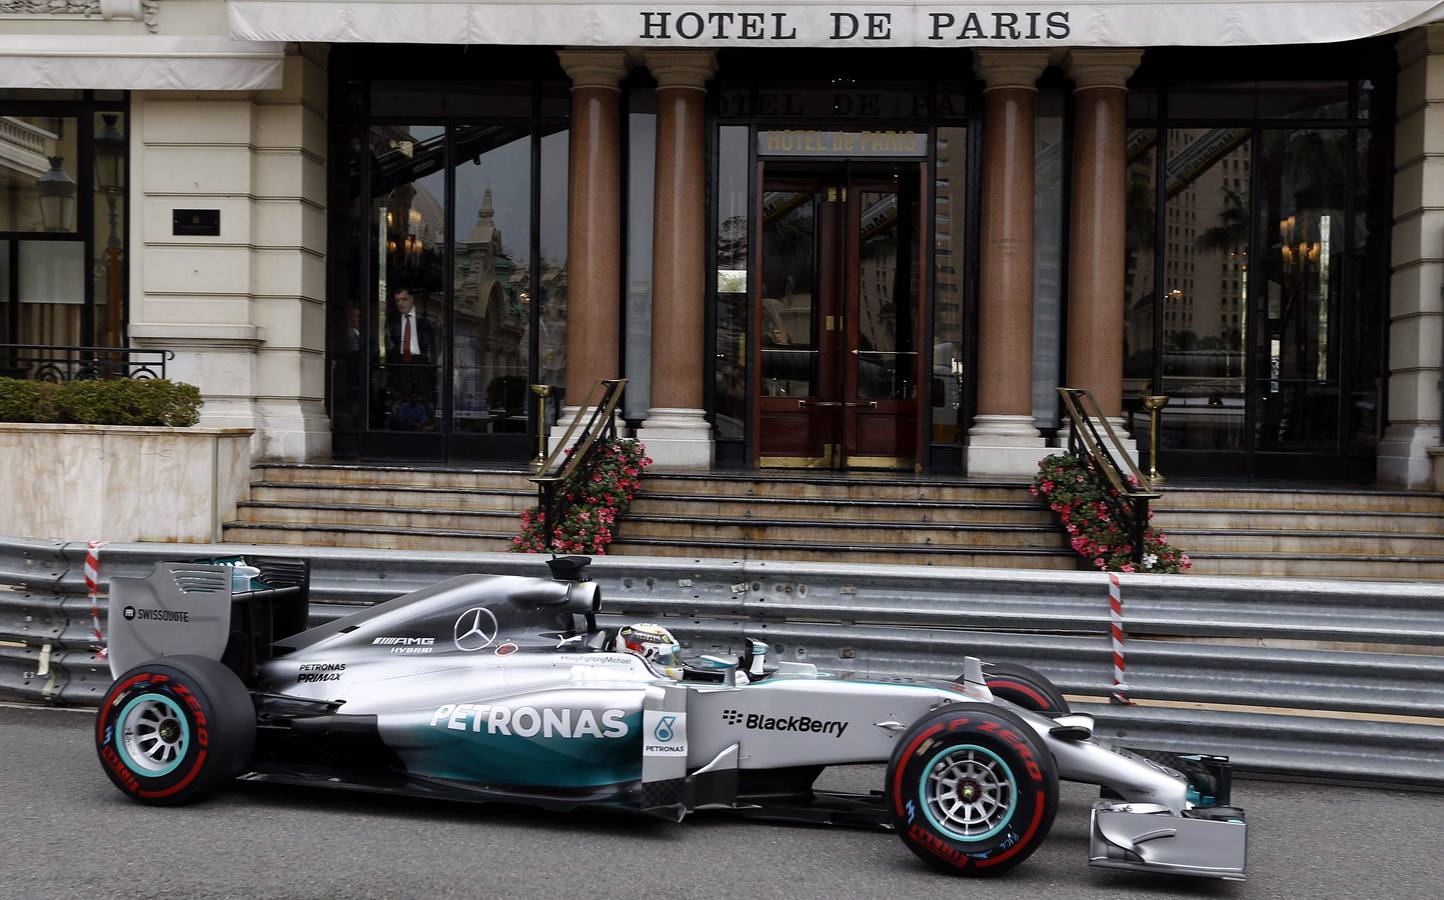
(821, 23)
(139, 62)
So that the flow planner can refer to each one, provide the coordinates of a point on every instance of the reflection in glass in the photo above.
(733, 205)
(1138, 293)
(789, 293)
(409, 304)
(1305, 173)
(38, 173)
(887, 285)
(949, 243)
(490, 280)
(1205, 287)
(109, 219)
(552, 291)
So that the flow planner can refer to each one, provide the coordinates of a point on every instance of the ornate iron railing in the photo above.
(1126, 491)
(575, 457)
(49, 362)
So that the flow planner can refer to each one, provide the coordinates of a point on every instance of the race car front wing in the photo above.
(1208, 842)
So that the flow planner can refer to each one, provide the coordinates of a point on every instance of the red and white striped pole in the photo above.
(1115, 630)
(92, 584)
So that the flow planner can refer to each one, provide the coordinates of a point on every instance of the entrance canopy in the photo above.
(138, 62)
(899, 23)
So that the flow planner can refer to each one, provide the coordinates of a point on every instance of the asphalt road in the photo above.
(68, 832)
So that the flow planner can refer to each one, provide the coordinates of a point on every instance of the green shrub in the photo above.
(119, 401)
(27, 401)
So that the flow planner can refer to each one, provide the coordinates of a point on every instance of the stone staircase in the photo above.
(1358, 533)
(821, 517)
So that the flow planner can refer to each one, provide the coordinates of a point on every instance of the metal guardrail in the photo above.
(1221, 664)
(58, 363)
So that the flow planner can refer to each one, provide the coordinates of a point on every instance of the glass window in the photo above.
(1048, 218)
(491, 271)
(733, 217)
(51, 292)
(641, 165)
(408, 307)
(109, 222)
(555, 153)
(950, 199)
(39, 173)
(1138, 293)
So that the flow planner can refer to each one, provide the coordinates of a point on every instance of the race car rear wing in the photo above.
(213, 607)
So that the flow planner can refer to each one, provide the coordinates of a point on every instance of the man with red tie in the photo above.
(412, 355)
(410, 335)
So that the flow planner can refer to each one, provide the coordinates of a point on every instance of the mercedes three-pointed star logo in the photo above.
(475, 629)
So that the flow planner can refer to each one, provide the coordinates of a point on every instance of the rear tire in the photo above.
(173, 730)
(970, 790)
(1025, 687)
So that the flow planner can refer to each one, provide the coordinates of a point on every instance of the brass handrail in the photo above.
(1130, 498)
(598, 410)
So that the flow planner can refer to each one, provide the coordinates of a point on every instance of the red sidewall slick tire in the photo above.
(207, 708)
(1008, 748)
(1025, 687)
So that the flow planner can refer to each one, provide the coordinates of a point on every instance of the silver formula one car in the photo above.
(505, 688)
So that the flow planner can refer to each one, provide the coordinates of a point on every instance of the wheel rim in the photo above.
(968, 792)
(153, 736)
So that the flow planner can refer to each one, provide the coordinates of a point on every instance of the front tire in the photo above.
(173, 730)
(971, 791)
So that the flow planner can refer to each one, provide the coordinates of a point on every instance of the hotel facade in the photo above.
(876, 236)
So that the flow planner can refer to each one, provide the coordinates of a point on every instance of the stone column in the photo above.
(1004, 439)
(676, 432)
(1416, 312)
(594, 222)
(1096, 232)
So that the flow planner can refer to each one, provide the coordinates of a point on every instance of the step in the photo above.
(900, 556)
(515, 479)
(380, 516)
(365, 537)
(1319, 520)
(813, 533)
(1318, 543)
(414, 497)
(822, 487)
(827, 509)
(1304, 500)
(1274, 565)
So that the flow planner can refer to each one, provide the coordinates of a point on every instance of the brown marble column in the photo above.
(676, 432)
(594, 218)
(1003, 439)
(1096, 247)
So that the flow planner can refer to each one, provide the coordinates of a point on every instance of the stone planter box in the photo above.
(121, 482)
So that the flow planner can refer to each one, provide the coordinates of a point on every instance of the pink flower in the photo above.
(1100, 563)
(1127, 567)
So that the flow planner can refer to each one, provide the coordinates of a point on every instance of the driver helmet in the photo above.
(653, 643)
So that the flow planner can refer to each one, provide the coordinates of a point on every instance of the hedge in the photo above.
(118, 401)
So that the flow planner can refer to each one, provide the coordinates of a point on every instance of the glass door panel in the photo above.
(1205, 289)
(491, 269)
(798, 320)
(1305, 172)
(408, 316)
(880, 380)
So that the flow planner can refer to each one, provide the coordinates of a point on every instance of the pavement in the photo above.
(69, 833)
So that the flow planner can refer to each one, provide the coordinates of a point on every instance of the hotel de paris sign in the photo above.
(825, 23)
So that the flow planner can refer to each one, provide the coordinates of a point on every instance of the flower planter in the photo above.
(121, 482)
